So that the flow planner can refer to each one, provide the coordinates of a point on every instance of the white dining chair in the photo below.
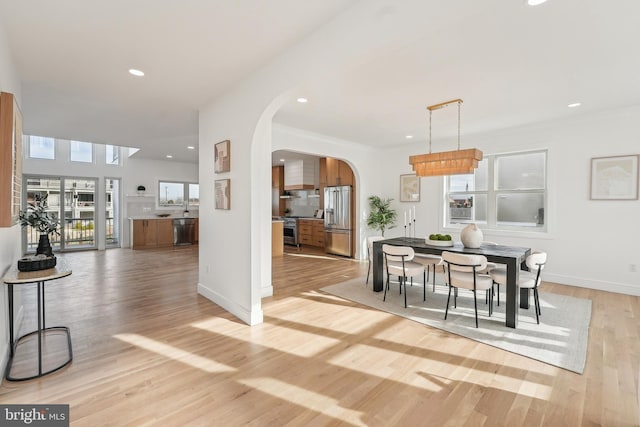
(430, 262)
(462, 272)
(399, 262)
(528, 279)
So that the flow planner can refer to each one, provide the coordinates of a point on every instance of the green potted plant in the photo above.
(37, 217)
(381, 216)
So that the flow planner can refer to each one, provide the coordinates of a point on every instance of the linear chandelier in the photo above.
(446, 162)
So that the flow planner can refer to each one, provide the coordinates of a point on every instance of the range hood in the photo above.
(300, 175)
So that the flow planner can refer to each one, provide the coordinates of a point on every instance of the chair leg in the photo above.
(498, 288)
(368, 270)
(475, 306)
(424, 287)
(446, 311)
(537, 303)
(455, 297)
(384, 298)
(405, 292)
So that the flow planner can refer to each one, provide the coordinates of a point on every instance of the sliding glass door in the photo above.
(73, 200)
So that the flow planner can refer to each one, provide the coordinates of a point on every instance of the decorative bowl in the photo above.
(439, 242)
(162, 215)
(36, 262)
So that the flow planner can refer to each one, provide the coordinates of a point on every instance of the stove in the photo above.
(290, 231)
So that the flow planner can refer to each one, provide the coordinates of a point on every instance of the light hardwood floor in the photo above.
(149, 351)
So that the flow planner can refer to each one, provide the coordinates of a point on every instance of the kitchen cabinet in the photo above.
(278, 205)
(311, 232)
(152, 233)
(335, 172)
(145, 233)
(164, 232)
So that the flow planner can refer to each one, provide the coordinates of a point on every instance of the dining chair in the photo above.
(430, 262)
(399, 262)
(462, 272)
(370, 241)
(528, 279)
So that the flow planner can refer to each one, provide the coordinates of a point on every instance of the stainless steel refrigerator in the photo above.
(337, 220)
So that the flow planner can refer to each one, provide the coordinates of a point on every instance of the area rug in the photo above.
(560, 339)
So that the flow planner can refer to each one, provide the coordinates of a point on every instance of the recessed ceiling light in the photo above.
(409, 136)
(191, 147)
(169, 156)
(575, 104)
(302, 100)
(535, 2)
(282, 160)
(136, 73)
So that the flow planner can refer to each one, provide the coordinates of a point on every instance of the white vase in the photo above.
(471, 236)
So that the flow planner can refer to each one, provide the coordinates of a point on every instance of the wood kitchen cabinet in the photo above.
(278, 205)
(311, 232)
(164, 232)
(145, 233)
(152, 233)
(335, 172)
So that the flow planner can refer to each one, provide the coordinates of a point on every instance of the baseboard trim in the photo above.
(580, 282)
(250, 317)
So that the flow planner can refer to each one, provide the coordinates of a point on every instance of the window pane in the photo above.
(171, 193)
(476, 181)
(42, 148)
(466, 208)
(194, 194)
(520, 172)
(112, 154)
(81, 151)
(520, 209)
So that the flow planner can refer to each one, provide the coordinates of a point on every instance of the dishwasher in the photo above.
(184, 231)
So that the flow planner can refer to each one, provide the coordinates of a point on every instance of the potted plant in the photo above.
(37, 217)
(382, 216)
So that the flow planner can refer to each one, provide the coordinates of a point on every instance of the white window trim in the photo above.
(490, 228)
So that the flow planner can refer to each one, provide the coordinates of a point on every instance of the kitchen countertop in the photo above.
(177, 216)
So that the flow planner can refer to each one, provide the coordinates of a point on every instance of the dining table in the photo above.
(513, 257)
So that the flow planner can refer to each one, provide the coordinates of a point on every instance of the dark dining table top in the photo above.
(492, 252)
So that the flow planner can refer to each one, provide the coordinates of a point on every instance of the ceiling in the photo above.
(512, 64)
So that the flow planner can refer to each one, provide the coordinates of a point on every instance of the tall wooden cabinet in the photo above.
(278, 205)
(335, 172)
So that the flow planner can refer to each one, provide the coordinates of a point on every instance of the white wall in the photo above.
(9, 236)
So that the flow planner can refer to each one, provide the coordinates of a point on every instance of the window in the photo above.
(507, 191)
(81, 151)
(112, 154)
(41, 147)
(178, 193)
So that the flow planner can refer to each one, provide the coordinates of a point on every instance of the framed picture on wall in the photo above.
(222, 157)
(409, 188)
(614, 178)
(222, 191)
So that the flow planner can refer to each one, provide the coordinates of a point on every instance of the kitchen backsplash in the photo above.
(303, 203)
